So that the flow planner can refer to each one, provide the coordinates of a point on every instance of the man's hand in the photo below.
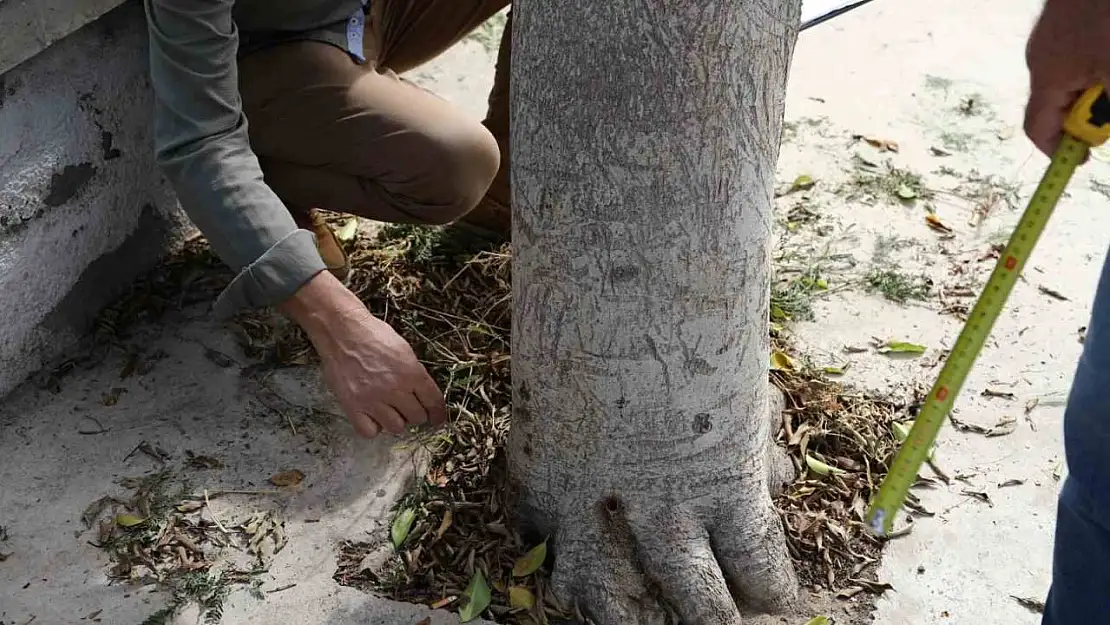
(1068, 51)
(373, 372)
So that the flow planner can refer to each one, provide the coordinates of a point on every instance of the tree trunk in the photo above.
(645, 136)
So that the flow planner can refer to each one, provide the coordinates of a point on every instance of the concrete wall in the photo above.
(30, 26)
(83, 209)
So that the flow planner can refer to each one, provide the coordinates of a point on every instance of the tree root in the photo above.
(636, 560)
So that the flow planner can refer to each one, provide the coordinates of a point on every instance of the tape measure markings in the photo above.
(914, 450)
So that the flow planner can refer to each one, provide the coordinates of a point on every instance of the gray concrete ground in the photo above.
(951, 79)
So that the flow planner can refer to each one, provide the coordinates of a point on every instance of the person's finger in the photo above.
(388, 418)
(432, 399)
(1044, 118)
(364, 426)
(1048, 107)
(409, 407)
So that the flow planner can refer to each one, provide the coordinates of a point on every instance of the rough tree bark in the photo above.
(645, 140)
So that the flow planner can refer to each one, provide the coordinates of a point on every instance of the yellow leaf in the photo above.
(521, 597)
(128, 520)
(818, 620)
(780, 361)
(348, 230)
(531, 562)
(803, 182)
(287, 478)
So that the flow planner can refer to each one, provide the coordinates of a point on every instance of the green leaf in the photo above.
(901, 347)
(129, 520)
(901, 430)
(820, 468)
(906, 193)
(778, 314)
(803, 182)
(348, 230)
(530, 562)
(522, 598)
(818, 620)
(402, 525)
(477, 598)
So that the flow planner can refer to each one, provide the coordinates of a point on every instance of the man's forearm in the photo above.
(203, 148)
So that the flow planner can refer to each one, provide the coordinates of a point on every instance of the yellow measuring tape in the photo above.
(1087, 126)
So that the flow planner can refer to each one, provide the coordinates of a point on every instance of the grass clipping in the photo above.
(452, 544)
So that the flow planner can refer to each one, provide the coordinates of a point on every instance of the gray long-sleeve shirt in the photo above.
(201, 133)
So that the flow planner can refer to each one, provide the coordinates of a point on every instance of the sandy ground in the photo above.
(886, 71)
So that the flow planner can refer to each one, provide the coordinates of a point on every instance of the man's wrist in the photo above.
(318, 301)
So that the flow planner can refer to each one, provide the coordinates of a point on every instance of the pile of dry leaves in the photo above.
(451, 543)
(162, 534)
(841, 442)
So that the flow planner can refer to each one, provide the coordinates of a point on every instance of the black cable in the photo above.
(828, 16)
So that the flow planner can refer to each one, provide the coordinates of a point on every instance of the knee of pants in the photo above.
(456, 169)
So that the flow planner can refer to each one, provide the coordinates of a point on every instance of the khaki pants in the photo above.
(333, 134)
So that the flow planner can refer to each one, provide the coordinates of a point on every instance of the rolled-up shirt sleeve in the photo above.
(201, 146)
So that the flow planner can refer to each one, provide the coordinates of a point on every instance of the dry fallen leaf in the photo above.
(935, 223)
(284, 479)
(1033, 605)
(884, 145)
(1054, 294)
(980, 495)
(111, 398)
(444, 602)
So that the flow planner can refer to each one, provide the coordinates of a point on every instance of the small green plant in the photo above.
(958, 141)
(886, 182)
(421, 244)
(973, 105)
(887, 244)
(897, 286)
(937, 83)
(209, 591)
(793, 298)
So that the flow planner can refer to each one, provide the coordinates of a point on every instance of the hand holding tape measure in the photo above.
(1087, 126)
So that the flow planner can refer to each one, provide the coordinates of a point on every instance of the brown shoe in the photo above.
(490, 219)
(335, 259)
